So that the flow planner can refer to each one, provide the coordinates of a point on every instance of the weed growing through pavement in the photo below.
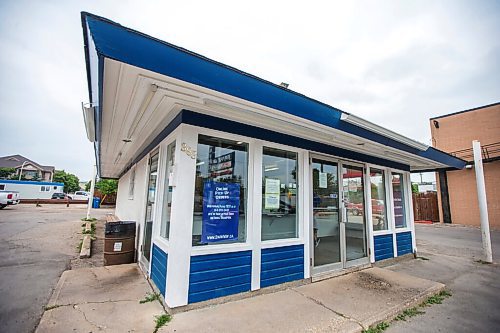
(150, 298)
(436, 299)
(79, 246)
(377, 329)
(412, 312)
(47, 308)
(91, 219)
(161, 321)
(408, 313)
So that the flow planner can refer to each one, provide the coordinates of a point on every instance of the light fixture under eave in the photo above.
(127, 140)
(88, 110)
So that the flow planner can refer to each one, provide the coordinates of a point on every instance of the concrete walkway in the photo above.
(106, 299)
(101, 299)
(347, 303)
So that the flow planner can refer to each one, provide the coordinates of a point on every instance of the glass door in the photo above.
(326, 219)
(353, 215)
(150, 208)
(339, 225)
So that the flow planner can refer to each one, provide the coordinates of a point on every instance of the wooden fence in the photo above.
(425, 206)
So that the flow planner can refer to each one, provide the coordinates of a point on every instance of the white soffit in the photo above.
(138, 104)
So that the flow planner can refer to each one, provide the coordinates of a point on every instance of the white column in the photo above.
(409, 215)
(481, 197)
(306, 198)
(254, 221)
(369, 216)
(181, 227)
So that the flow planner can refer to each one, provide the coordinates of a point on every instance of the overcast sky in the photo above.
(395, 63)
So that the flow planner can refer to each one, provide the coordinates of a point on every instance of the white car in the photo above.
(79, 195)
(8, 198)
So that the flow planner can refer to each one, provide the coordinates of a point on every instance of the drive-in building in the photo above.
(237, 183)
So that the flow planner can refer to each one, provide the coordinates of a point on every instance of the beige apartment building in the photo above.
(457, 194)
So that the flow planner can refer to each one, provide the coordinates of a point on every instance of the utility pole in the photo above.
(481, 197)
(91, 196)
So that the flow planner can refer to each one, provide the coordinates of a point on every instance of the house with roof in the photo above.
(27, 168)
(237, 183)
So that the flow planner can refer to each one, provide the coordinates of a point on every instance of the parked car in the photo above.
(79, 195)
(8, 198)
(59, 195)
(378, 208)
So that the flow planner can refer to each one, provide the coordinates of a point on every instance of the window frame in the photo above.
(388, 214)
(250, 220)
(164, 181)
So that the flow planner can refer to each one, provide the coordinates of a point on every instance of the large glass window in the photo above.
(167, 192)
(379, 210)
(220, 191)
(279, 194)
(399, 200)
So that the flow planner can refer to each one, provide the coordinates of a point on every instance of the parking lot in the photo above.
(36, 246)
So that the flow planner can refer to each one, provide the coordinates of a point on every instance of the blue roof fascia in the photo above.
(122, 44)
(28, 182)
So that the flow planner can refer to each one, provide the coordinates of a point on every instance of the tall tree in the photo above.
(107, 187)
(70, 181)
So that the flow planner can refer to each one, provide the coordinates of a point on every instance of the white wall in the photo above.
(133, 208)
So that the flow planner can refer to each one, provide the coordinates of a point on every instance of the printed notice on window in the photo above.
(272, 194)
(221, 205)
(322, 180)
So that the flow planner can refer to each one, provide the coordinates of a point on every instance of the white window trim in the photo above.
(161, 242)
(236, 246)
(407, 207)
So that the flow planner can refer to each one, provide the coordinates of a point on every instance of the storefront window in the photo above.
(379, 210)
(220, 191)
(399, 200)
(167, 192)
(279, 194)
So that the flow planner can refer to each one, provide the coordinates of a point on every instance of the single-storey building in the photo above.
(27, 168)
(236, 183)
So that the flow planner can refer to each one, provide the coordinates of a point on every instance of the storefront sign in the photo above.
(222, 167)
(398, 207)
(221, 204)
(272, 194)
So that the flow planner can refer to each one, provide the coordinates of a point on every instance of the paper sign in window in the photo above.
(272, 194)
(322, 180)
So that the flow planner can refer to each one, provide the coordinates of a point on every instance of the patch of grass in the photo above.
(408, 313)
(92, 219)
(161, 321)
(436, 299)
(380, 327)
(150, 298)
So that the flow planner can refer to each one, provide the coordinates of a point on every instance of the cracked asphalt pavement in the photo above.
(36, 246)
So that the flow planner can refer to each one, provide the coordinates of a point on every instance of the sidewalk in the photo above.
(100, 299)
(106, 299)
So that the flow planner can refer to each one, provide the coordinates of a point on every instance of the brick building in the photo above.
(454, 133)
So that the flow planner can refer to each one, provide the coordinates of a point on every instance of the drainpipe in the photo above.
(481, 197)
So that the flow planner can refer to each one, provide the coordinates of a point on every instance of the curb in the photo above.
(86, 242)
(394, 311)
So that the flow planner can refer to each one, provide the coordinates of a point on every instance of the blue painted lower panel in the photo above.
(281, 264)
(404, 243)
(217, 275)
(384, 247)
(159, 269)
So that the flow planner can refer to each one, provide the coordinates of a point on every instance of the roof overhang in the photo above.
(138, 85)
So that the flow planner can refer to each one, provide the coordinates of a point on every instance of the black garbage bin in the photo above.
(119, 243)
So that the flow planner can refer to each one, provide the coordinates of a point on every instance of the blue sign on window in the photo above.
(221, 204)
